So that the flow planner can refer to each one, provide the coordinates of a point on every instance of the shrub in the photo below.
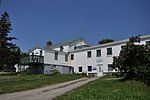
(55, 72)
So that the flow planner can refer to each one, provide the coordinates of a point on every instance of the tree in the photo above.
(133, 61)
(23, 55)
(9, 52)
(103, 41)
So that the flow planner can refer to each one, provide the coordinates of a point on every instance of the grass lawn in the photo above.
(109, 90)
(15, 83)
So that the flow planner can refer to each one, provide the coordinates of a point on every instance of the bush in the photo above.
(55, 72)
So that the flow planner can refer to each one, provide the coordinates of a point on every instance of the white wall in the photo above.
(80, 58)
(49, 58)
(65, 48)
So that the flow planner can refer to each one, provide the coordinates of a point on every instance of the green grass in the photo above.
(102, 89)
(15, 83)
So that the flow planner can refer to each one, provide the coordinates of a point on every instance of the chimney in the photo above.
(49, 45)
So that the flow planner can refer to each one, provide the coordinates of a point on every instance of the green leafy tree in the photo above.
(103, 41)
(133, 61)
(23, 55)
(9, 52)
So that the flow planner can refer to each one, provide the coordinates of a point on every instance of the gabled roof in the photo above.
(34, 49)
(65, 43)
(51, 50)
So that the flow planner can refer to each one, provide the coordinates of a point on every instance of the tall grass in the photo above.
(109, 90)
(15, 83)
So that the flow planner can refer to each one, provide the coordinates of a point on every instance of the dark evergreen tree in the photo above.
(9, 52)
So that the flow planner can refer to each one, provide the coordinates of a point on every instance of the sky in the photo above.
(34, 22)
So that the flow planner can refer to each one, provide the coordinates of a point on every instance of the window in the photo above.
(80, 69)
(98, 53)
(56, 55)
(89, 68)
(109, 51)
(148, 43)
(72, 56)
(89, 54)
(66, 57)
(110, 67)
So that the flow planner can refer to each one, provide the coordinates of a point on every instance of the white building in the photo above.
(78, 57)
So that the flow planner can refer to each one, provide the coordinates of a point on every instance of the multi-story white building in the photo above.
(78, 57)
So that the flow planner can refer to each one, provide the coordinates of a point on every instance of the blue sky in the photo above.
(36, 21)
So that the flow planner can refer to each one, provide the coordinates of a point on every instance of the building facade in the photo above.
(78, 57)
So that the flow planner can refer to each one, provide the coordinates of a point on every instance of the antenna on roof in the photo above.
(81, 34)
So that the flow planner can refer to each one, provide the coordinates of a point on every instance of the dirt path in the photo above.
(47, 93)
